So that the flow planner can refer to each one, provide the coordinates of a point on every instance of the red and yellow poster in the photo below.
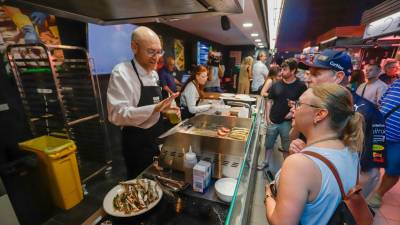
(19, 26)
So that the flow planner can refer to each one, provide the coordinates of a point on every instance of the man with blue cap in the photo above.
(332, 66)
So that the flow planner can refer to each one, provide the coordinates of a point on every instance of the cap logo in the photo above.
(336, 65)
(322, 57)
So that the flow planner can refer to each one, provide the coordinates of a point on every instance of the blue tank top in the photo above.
(324, 205)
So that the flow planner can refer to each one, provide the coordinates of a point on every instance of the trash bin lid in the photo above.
(46, 144)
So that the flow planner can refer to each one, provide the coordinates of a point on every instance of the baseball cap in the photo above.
(332, 60)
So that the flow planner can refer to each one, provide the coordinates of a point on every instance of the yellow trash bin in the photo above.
(58, 161)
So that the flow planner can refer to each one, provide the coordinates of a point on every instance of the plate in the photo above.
(108, 201)
(227, 95)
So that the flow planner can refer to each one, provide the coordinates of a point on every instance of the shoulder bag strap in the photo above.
(365, 87)
(331, 167)
(391, 111)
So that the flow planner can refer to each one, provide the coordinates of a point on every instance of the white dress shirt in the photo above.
(189, 97)
(123, 95)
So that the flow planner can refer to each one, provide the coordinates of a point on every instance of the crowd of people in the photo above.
(328, 109)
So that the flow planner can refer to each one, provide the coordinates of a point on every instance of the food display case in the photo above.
(231, 157)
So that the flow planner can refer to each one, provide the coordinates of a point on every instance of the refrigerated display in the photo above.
(202, 52)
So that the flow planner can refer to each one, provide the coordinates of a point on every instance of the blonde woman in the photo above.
(245, 76)
(307, 192)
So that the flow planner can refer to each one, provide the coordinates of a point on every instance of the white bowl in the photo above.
(225, 188)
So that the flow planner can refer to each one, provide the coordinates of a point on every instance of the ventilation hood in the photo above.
(106, 12)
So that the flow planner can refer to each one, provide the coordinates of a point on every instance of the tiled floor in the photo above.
(388, 214)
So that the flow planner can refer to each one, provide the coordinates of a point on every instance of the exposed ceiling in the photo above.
(304, 20)
(210, 27)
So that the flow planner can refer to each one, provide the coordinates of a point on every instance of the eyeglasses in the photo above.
(297, 104)
(153, 52)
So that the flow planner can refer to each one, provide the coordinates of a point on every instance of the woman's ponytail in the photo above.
(353, 133)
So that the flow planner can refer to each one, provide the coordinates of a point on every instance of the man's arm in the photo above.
(177, 82)
(220, 72)
(167, 89)
(210, 73)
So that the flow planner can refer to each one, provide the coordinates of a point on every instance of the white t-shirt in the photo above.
(260, 73)
(373, 91)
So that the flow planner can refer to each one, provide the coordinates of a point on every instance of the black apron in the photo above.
(139, 145)
(185, 113)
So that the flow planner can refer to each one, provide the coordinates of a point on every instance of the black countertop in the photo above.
(191, 210)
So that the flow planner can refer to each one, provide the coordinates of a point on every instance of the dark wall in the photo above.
(169, 33)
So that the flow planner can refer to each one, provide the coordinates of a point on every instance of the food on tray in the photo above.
(239, 133)
(137, 195)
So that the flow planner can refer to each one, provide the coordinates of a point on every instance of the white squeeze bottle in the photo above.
(189, 162)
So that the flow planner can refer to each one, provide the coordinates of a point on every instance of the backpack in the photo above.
(353, 209)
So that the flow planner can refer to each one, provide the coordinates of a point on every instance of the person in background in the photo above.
(192, 93)
(168, 81)
(373, 89)
(390, 108)
(245, 76)
(215, 72)
(391, 71)
(357, 77)
(278, 114)
(333, 66)
(134, 101)
(274, 75)
(307, 191)
(260, 73)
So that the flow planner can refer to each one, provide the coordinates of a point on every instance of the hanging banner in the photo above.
(179, 54)
(386, 25)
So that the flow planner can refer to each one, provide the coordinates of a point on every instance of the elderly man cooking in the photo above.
(134, 101)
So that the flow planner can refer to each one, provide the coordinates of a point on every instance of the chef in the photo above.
(134, 101)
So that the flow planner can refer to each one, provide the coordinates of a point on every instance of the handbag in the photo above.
(353, 209)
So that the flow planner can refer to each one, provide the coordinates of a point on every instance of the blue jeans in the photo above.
(213, 89)
(275, 129)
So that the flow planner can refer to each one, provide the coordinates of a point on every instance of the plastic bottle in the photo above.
(189, 162)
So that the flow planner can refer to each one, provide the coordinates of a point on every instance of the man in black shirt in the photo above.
(281, 95)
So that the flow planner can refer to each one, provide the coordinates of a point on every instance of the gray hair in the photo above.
(386, 66)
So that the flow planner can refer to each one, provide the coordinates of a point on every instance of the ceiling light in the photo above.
(257, 40)
(254, 34)
(247, 25)
(260, 43)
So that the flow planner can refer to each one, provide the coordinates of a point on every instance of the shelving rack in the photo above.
(60, 95)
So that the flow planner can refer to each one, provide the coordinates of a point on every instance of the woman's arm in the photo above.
(266, 87)
(298, 179)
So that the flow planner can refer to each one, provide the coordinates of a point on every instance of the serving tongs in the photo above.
(170, 184)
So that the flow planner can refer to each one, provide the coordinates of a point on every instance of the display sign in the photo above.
(179, 54)
(386, 25)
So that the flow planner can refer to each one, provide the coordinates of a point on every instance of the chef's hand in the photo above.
(166, 103)
(296, 146)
